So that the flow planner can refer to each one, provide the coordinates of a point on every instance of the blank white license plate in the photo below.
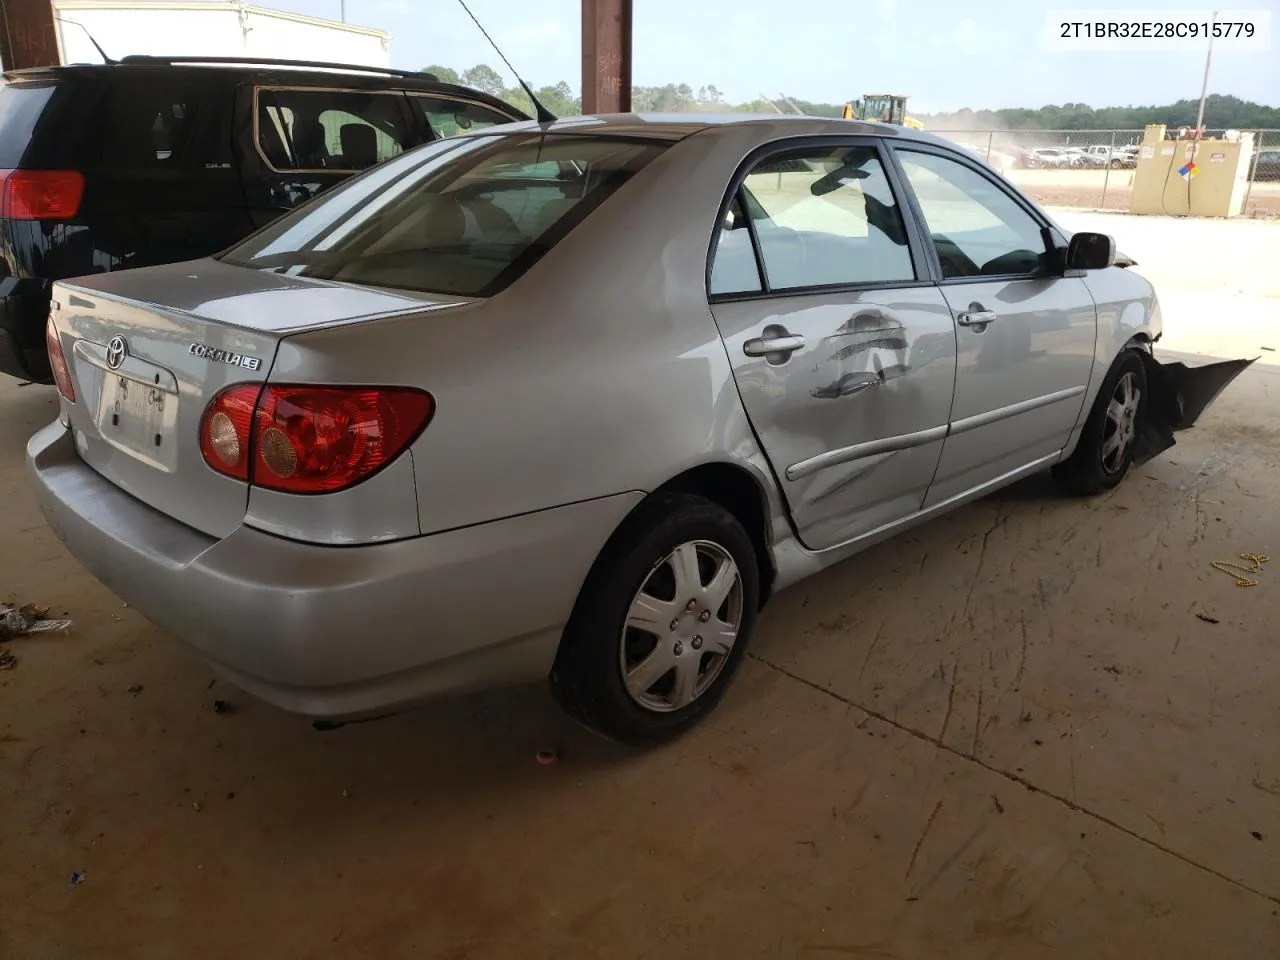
(137, 417)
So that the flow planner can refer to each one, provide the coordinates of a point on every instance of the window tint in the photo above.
(150, 127)
(438, 220)
(448, 118)
(825, 216)
(977, 228)
(330, 130)
(20, 109)
(735, 269)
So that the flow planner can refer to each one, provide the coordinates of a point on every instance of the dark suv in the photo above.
(155, 160)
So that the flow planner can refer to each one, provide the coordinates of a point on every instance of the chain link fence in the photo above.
(1093, 169)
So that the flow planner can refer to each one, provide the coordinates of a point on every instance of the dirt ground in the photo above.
(1111, 190)
(1034, 728)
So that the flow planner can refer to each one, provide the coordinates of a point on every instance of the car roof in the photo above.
(285, 72)
(677, 126)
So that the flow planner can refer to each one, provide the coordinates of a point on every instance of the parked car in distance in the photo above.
(1102, 155)
(1267, 165)
(568, 403)
(107, 167)
(1046, 157)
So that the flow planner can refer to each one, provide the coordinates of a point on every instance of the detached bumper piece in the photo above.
(1177, 396)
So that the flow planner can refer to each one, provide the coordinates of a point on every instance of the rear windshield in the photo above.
(20, 108)
(464, 216)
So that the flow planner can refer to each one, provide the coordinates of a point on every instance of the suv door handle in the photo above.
(976, 318)
(766, 346)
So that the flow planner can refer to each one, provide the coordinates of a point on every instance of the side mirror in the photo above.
(1091, 251)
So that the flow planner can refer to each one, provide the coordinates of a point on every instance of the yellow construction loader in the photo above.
(881, 108)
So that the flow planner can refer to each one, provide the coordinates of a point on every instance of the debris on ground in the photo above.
(197, 806)
(1113, 669)
(1255, 834)
(77, 878)
(27, 619)
(223, 706)
(547, 757)
(7, 660)
(1245, 578)
(999, 805)
(135, 689)
(1200, 615)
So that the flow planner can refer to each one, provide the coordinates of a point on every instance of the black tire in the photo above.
(587, 678)
(1088, 471)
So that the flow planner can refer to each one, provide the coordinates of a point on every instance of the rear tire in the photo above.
(662, 622)
(1107, 444)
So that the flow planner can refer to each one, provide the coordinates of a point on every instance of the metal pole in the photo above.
(342, 10)
(990, 135)
(1106, 178)
(1253, 172)
(1204, 88)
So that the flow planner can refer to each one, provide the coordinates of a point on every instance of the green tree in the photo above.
(485, 79)
(445, 74)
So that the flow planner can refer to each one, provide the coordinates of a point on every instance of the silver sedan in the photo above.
(570, 401)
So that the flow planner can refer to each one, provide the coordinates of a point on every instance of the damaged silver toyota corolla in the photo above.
(569, 401)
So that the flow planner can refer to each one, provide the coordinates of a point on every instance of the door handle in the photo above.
(976, 318)
(766, 346)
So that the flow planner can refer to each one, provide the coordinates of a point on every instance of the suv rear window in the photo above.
(336, 130)
(20, 109)
(454, 217)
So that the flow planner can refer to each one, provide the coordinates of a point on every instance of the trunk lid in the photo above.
(148, 349)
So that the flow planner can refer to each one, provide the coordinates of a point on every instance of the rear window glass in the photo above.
(20, 109)
(338, 130)
(450, 218)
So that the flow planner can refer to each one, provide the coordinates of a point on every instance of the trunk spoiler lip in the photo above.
(75, 297)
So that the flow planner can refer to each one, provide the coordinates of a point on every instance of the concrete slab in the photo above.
(1005, 735)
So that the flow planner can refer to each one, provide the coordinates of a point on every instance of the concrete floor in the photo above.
(1007, 734)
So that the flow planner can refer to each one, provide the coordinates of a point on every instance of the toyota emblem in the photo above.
(117, 350)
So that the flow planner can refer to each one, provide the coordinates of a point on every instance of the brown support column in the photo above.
(606, 56)
(27, 37)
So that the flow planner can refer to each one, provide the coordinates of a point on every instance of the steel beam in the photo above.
(606, 56)
(27, 36)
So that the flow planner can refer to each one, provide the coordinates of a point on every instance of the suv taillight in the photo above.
(58, 361)
(40, 194)
(310, 439)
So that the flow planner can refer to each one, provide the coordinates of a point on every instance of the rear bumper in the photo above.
(24, 309)
(335, 632)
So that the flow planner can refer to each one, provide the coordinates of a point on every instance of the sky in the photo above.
(943, 54)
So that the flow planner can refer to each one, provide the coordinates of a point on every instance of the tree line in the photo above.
(1220, 110)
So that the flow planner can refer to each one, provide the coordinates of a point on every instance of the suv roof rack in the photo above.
(272, 62)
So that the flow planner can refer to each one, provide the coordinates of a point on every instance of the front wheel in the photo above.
(1109, 439)
(662, 622)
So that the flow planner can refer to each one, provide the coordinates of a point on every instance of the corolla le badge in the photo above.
(206, 352)
(117, 350)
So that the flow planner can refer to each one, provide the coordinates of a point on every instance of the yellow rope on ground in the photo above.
(1256, 560)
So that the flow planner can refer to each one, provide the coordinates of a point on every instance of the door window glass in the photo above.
(824, 216)
(978, 229)
(342, 131)
(448, 118)
(735, 269)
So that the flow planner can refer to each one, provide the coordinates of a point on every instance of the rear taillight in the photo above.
(226, 428)
(307, 439)
(40, 194)
(58, 361)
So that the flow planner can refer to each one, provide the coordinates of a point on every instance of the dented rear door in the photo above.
(844, 357)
